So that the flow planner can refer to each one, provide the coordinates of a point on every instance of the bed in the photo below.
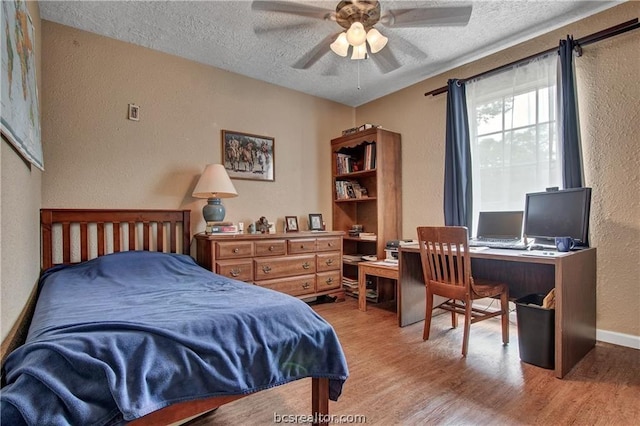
(129, 329)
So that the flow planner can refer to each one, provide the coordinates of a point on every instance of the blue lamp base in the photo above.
(213, 211)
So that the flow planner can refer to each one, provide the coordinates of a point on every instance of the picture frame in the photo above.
(291, 224)
(247, 156)
(20, 123)
(315, 222)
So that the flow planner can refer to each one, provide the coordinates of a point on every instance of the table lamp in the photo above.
(213, 185)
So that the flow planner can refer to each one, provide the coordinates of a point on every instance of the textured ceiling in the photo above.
(232, 36)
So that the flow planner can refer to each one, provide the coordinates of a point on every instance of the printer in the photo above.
(391, 249)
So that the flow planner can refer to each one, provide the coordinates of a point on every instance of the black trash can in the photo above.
(536, 331)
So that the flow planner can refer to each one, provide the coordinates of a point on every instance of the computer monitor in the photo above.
(563, 213)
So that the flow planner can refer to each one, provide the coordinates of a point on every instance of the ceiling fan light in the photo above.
(376, 40)
(341, 45)
(359, 52)
(356, 35)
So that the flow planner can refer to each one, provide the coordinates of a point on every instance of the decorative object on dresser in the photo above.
(291, 224)
(221, 228)
(367, 197)
(214, 183)
(247, 156)
(262, 225)
(301, 264)
(315, 222)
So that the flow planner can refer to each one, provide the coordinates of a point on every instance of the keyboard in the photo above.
(499, 244)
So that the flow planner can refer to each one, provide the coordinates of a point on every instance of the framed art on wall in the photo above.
(20, 110)
(247, 156)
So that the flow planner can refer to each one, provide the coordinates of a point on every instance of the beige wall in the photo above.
(20, 186)
(608, 89)
(96, 157)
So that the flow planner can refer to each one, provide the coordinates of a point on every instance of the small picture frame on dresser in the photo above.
(315, 222)
(291, 224)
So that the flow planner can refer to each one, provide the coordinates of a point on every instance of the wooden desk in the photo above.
(376, 269)
(572, 274)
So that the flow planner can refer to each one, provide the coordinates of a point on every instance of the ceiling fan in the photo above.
(358, 18)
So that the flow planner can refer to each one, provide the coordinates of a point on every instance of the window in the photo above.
(514, 144)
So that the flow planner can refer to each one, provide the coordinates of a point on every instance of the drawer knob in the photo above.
(235, 250)
(306, 265)
(235, 272)
(301, 246)
(271, 248)
(329, 261)
(266, 269)
(330, 244)
(306, 285)
(329, 281)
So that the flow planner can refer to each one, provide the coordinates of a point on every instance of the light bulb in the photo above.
(376, 40)
(356, 35)
(341, 45)
(359, 52)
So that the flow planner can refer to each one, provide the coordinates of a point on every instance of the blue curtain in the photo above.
(572, 175)
(458, 199)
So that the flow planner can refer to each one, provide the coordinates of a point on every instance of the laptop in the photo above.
(502, 229)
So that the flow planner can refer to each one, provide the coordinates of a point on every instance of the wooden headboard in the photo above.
(89, 233)
(162, 229)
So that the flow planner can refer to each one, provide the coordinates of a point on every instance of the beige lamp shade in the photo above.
(214, 183)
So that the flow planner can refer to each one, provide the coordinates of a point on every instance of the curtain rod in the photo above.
(600, 35)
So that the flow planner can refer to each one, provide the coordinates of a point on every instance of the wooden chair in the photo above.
(446, 266)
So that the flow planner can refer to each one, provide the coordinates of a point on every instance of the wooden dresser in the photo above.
(301, 264)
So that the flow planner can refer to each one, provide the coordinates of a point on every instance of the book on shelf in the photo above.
(349, 190)
(352, 258)
(368, 236)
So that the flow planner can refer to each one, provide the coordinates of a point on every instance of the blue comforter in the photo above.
(120, 336)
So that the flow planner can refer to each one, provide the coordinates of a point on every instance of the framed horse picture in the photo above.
(247, 156)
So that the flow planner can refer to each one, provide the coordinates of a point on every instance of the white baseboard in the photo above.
(613, 337)
(616, 338)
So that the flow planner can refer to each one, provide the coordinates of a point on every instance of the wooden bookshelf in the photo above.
(370, 160)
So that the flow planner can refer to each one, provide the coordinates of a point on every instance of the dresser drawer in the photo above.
(241, 270)
(328, 244)
(234, 249)
(268, 268)
(328, 261)
(294, 286)
(302, 245)
(271, 247)
(328, 281)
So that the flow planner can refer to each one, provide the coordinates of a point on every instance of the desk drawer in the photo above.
(302, 245)
(328, 281)
(328, 261)
(241, 270)
(268, 268)
(328, 244)
(294, 286)
(234, 249)
(271, 248)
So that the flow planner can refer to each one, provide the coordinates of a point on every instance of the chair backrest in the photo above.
(445, 261)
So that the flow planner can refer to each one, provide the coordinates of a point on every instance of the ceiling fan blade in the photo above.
(291, 27)
(316, 53)
(425, 17)
(293, 9)
(385, 60)
(399, 43)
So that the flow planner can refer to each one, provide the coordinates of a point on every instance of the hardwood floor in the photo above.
(398, 379)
